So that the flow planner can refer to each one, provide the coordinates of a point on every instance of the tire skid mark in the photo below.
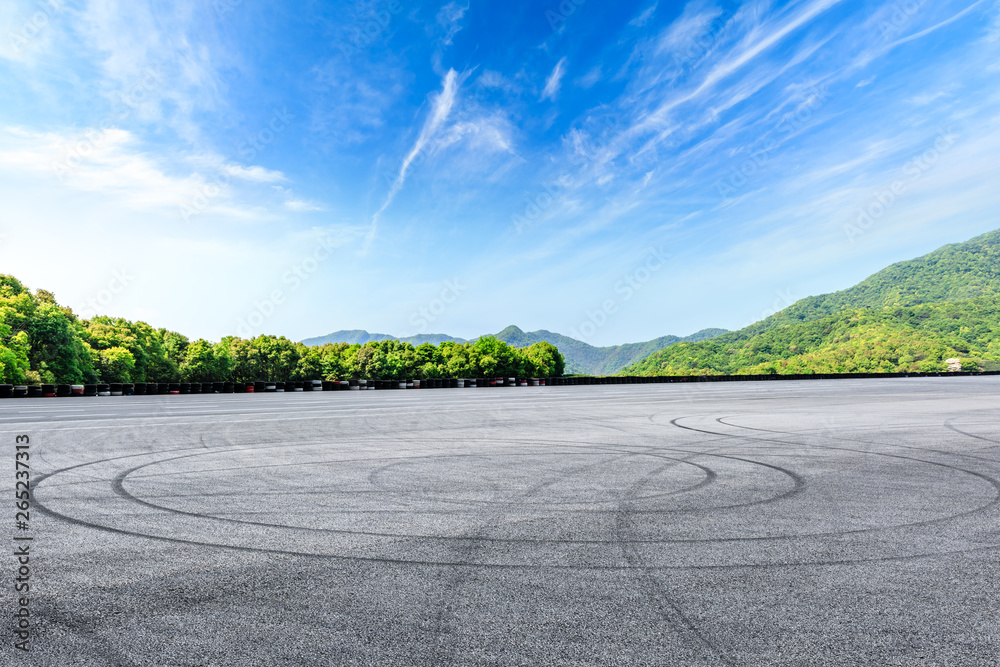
(711, 475)
(986, 478)
(944, 452)
(112, 530)
(948, 425)
(663, 603)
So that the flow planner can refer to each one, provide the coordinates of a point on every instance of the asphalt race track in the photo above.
(842, 522)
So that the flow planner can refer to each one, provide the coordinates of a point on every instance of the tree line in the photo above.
(43, 342)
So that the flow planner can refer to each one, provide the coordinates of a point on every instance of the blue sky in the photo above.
(614, 171)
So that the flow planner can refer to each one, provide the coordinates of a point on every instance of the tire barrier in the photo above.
(165, 388)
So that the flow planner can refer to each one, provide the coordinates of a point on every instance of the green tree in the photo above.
(544, 360)
(116, 364)
(494, 358)
(202, 363)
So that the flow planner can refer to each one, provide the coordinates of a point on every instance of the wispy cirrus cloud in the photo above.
(554, 82)
(643, 18)
(449, 21)
(441, 107)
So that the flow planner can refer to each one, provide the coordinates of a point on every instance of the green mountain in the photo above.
(581, 358)
(910, 316)
(585, 359)
(360, 336)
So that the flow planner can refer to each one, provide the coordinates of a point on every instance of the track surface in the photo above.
(819, 522)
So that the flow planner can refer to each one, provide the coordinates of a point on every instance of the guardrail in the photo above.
(258, 387)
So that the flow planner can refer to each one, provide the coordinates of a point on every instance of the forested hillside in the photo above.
(43, 342)
(955, 272)
(912, 316)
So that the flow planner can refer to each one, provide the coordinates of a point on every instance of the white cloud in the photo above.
(591, 78)
(933, 28)
(486, 134)
(923, 99)
(686, 38)
(493, 79)
(350, 108)
(115, 164)
(302, 206)
(440, 109)
(554, 81)
(993, 34)
(109, 162)
(255, 173)
(126, 40)
(449, 19)
(643, 18)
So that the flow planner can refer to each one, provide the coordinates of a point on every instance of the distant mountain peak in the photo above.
(580, 357)
(512, 329)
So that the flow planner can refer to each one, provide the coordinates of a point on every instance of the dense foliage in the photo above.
(42, 342)
(956, 272)
(893, 339)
